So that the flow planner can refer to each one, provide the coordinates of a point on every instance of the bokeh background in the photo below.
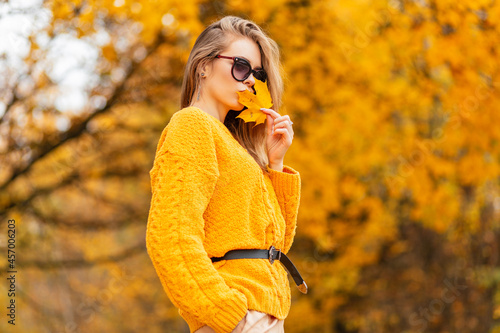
(397, 139)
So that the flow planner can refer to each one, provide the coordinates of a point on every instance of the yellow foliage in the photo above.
(396, 140)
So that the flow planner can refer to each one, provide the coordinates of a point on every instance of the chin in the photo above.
(239, 107)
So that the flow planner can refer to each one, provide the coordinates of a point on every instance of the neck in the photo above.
(212, 108)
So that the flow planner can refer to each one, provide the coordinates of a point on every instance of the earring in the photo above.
(203, 74)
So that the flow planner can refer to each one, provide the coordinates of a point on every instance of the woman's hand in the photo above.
(279, 136)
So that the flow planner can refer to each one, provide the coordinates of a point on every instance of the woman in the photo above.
(220, 189)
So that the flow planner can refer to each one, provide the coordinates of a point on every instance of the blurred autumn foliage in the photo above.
(396, 117)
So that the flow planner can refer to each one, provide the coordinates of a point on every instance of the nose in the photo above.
(250, 80)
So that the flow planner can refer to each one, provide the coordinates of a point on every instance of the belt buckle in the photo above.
(271, 250)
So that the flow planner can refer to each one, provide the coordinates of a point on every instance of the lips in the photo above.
(253, 92)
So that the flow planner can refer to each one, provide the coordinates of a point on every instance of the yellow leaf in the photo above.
(262, 99)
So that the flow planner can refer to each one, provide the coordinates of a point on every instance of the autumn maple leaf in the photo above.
(262, 99)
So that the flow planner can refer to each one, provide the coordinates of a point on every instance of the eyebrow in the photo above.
(250, 62)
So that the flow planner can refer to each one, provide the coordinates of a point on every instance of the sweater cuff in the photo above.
(286, 182)
(234, 310)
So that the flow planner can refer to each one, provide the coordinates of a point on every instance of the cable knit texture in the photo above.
(209, 196)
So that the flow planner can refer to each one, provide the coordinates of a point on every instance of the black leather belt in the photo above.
(271, 254)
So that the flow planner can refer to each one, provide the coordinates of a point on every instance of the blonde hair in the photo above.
(214, 40)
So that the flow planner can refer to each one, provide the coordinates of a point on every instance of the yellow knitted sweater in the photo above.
(209, 196)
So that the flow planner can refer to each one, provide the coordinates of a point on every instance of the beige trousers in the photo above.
(253, 322)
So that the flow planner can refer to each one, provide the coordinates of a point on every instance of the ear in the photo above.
(206, 68)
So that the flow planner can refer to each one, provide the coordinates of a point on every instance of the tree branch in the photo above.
(77, 129)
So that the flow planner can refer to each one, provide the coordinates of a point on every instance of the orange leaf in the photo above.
(262, 99)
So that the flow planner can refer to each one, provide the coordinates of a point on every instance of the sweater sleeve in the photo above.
(183, 179)
(287, 185)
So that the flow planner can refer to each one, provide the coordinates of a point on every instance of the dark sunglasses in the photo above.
(241, 69)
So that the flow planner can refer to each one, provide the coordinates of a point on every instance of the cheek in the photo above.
(224, 87)
(223, 77)
(224, 91)
(227, 90)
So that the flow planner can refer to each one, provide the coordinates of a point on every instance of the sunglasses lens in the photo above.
(260, 75)
(241, 70)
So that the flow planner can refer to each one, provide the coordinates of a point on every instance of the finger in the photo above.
(282, 131)
(285, 118)
(285, 134)
(287, 123)
(270, 123)
(271, 112)
(270, 120)
(277, 125)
